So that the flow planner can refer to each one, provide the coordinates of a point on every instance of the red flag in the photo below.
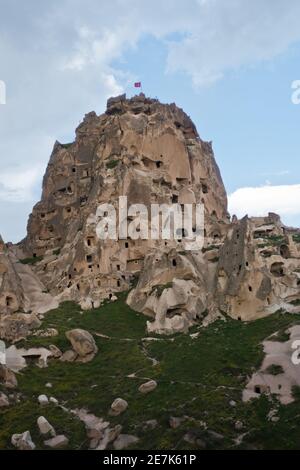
(137, 85)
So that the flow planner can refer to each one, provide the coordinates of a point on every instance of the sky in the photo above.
(230, 65)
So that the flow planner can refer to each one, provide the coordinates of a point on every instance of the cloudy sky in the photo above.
(230, 65)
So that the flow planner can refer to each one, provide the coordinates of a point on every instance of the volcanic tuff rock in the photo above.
(21, 293)
(152, 153)
(83, 344)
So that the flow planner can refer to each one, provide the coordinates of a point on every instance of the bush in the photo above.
(66, 146)
(296, 238)
(33, 260)
(274, 369)
(112, 164)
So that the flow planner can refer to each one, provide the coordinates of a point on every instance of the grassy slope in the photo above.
(196, 377)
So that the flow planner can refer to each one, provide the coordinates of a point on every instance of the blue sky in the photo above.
(229, 65)
(248, 114)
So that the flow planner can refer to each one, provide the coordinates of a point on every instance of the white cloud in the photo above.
(17, 186)
(234, 34)
(283, 200)
(216, 36)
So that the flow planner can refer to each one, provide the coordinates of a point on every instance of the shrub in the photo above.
(112, 164)
(33, 260)
(274, 369)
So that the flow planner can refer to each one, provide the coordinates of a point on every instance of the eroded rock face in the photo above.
(279, 372)
(258, 271)
(142, 149)
(16, 358)
(11, 294)
(151, 153)
(20, 291)
(17, 325)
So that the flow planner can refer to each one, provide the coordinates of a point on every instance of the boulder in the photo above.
(45, 427)
(23, 441)
(3, 400)
(175, 422)
(7, 377)
(68, 356)
(118, 407)
(83, 344)
(150, 424)
(215, 436)
(56, 352)
(113, 433)
(238, 425)
(57, 442)
(43, 400)
(124, 441)
(148, 387)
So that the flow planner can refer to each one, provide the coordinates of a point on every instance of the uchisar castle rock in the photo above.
(151, 153)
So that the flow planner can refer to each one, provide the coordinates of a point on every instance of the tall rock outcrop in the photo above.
(22, 295)
(259, 269)
(140, 148)
(151, 153)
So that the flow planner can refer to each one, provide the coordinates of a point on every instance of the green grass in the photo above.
(33, 260)
(296, 238)
(281, 336)
(296, 392)
(160, 288)
(112, 164)
(210, 248)
(68, 145)
(272, 240)
(274, 369)
(197, 378)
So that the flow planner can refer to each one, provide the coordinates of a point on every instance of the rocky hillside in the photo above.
(151, 153)
(93, 355)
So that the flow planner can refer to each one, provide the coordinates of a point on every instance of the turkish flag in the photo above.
(137, 85)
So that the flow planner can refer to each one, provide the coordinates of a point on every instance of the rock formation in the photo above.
(258, 271)
(22, 295)
(278, 373)
(151, 153)
(83, 344)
